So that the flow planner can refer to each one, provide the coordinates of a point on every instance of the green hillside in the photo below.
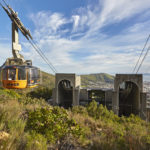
(103, 77)
(48, 80)
(94, 78)
(28, 123)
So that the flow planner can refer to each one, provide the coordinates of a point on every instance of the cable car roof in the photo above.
(16, 66)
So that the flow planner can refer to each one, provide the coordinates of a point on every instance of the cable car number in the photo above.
(13, 84)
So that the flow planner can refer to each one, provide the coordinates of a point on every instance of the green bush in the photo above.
(41, 92)
(32, 124)
(28, 100)
(7, 94)
(113, 132)
(53, 123)
(100, 112)
(35, 141)
(79, 110)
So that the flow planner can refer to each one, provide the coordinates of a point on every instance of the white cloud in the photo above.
(47, 23)
(5, 51)
(76, 19)
(110, 11)
(105, 53)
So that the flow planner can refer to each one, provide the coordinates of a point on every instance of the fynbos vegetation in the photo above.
(30, 123)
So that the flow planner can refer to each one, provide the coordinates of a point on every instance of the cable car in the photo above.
(20, 77)
(16, 72)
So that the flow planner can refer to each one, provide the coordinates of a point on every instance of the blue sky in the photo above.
(81, 36)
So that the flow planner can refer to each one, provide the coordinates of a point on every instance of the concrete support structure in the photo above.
(127, 96)
(83, 94)
(115, 103)
(131, 95)
(67, 89)
(143, 110)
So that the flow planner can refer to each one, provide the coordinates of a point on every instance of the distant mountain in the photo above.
(97, 80)
(88, 80)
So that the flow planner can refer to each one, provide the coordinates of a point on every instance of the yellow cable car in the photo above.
(20, 77)
(16, 72)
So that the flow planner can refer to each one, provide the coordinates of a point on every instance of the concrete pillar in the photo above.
(56, 96)
(143, 109)
(75, 84)
(115, 103)
(76, 97)
(83, 94)
(143, 101)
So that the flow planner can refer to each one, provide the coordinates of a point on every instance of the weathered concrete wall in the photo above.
(108, 95)
(83, 94)
(77, 81)
(143, 110)
(108, 98)
(75, 84)
(137, 79)
(115, 103)
(62, 76)
(136, 97)
(76, 97)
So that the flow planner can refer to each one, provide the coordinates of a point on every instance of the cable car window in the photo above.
(34, 75)
(11, 74)
(21, 74)
(4, 74)
(28, 72)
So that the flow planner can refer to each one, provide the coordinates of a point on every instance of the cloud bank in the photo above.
(104, 36)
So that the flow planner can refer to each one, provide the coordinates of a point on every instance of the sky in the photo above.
(81, 36)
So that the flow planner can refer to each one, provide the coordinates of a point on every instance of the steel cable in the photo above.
(44, 56)
(41, 56)
(36, 47)
(143, 59)
(141, 53)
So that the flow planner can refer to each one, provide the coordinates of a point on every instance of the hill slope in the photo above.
(90, 80)
(96, 79)
(28, 123)
(48, 80)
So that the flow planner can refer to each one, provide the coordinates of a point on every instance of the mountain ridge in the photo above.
(87, 80)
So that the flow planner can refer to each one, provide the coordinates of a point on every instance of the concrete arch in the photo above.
(65, 93)
(65, 79)
(137, 82)
(129, 98)
(75, 84)
(135, 78)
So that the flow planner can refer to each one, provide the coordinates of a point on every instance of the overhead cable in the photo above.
(25, 33)
(141, 53)
(5, 3)
(44, 56)
(148, 49)
(37, 50)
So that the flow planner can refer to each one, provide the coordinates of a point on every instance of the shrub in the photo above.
(28, 100)
(35, 141)
(79, 110)
(101, 112)
(6, 94)
(41, 92)
(53, 123)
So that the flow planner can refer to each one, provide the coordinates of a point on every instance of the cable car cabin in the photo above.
(20, 77)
